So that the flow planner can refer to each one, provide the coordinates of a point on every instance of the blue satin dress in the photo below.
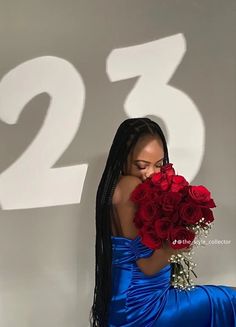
(139, 300)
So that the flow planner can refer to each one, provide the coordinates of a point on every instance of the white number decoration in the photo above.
(30, 181)
(154, 63)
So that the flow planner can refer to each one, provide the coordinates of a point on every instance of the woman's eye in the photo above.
(159, 166)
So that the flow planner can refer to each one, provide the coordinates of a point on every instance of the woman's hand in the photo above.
(168, 249)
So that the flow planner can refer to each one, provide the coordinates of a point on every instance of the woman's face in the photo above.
(146, 158)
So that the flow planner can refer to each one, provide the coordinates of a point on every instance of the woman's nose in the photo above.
(150, 172)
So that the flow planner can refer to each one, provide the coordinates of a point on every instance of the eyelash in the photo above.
(141, 168)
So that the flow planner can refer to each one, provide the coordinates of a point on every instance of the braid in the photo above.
(124, 141)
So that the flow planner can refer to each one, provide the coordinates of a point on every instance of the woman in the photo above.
(132, 285)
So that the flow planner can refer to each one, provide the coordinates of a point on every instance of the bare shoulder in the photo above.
(130, 180)
(124, 207)
(124, 187)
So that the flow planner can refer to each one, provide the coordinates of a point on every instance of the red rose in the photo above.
(164, 184)
(210, 204)
(168, 169)
(175, 218)
(178, 183)
(155, 195)
(138, 221)
(180, 237)
(199, 193)
(160, 180)
(156, 177)
(190, 213)
(184, 192)
(149, 239)
(140, 193)
(170, 200)
(208, 215)
(162, 227)
(148, 211)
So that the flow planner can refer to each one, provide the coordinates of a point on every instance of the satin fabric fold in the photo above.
(150, 301)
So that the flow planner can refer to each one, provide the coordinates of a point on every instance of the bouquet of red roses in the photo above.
(172, 211)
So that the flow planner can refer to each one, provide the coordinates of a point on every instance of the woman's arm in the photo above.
(126, 210)
(157, 261)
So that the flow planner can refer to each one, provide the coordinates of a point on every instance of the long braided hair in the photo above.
(124, 141)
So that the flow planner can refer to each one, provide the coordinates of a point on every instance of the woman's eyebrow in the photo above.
(147, 161)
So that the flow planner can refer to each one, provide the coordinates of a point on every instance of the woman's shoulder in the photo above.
(128, 182)
(124, 187)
